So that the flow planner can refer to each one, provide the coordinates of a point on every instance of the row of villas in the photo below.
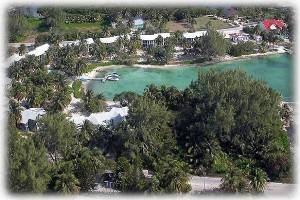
(234, 34)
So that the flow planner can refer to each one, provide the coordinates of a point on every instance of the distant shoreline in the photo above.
(224, 59)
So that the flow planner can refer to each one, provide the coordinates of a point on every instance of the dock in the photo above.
(86, 78)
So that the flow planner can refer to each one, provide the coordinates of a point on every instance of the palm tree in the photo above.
(22, 49)
(86, 132)
(61, 100)
(80, 67)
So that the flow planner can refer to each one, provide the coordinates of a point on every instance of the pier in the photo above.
(92, 79)
(86, 78)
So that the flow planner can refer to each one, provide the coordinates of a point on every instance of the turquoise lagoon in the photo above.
(275, 70)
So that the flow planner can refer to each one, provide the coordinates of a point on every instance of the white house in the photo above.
(191, 36)
(115, 115)
(149, 40)
(40, 51)
(240, 37)
(109, 40)
(29, 118)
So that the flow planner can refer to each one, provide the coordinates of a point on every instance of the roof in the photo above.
(109, 39)
(89, 40)
(14, 57)
(194, 34)
(154, 36)
(271, 24)
(31, 113)
(101, 117)
(66, 43)
(39, 50)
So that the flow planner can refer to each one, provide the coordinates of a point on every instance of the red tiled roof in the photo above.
(277, 22)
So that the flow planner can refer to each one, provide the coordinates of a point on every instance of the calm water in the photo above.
(275, 70)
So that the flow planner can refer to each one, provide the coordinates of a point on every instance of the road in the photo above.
(208, 183)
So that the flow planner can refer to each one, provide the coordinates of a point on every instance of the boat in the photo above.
(115, 74)
(112, 78)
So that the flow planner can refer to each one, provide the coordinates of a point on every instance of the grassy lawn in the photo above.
(36, 25)
(217, 24)
(174, 26)
(84, 27)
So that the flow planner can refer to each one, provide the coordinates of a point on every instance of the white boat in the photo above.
(115, 74)
(112, 78)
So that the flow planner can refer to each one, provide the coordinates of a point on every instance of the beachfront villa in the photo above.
(234, 34)
(149, 40)
(190, 37)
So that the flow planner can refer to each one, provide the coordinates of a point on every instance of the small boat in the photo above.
(112, 78)
(116, 74)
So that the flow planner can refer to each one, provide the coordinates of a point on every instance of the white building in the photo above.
(40, 51)
(29, 118)
(15, 57)
(149, 40)
(240, 37)
(191, 36)
(115, 115)
(109, 40)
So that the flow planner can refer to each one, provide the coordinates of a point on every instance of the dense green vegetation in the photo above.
(242, 48)
(212, 44)
(87, 21)
(32, 82)
(224, 123)
(215, 23)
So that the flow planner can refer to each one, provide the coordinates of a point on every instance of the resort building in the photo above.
(29, 118)
(191, 36)
(149, 40)
(271, 24)
(40, 51)
(109, 40)
(240, 37)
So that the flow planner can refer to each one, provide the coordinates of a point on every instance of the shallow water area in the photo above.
(275, 70)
